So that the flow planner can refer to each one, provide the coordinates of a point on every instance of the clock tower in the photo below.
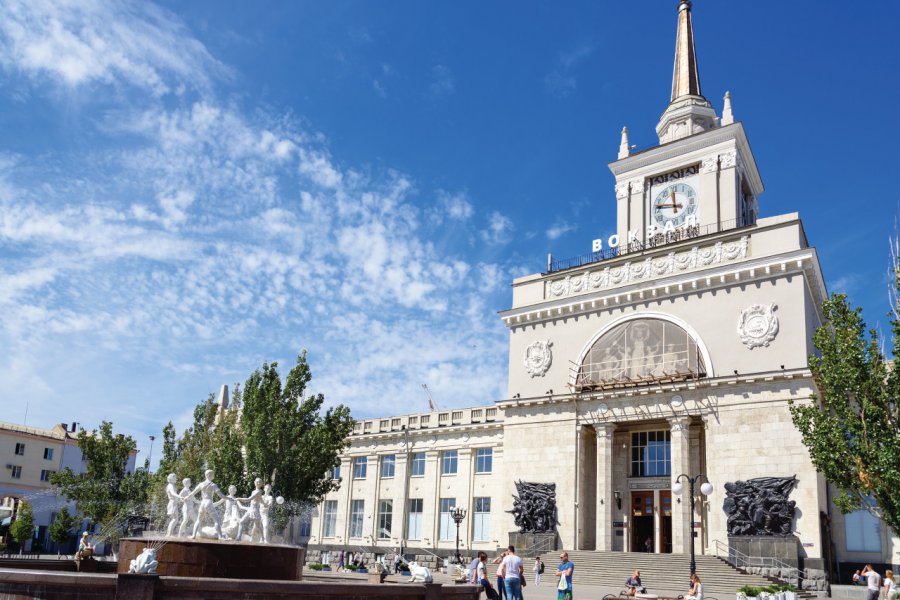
(700, 179)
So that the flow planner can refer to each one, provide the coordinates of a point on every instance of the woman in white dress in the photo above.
(696, 592)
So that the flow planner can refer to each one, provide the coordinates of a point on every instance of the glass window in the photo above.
(306, 524)
(481, 520)
(20, 449)
(48, 453)
(448, 462)
(357, 508)
(385, 517)
(414, 526)
(651, 454)
(417, 465)
(45, 474)
(640, 352)
(336, 470)
(16, 472)
(387, 466)
(863, 532)
(484, 460)
(359, 467)
(330, 518)
(447, 524)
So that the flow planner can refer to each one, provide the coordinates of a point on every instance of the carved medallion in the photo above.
(758, 325)
(538, 358)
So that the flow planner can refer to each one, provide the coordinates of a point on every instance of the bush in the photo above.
(750, 591)
(315, 566)
(404, 567)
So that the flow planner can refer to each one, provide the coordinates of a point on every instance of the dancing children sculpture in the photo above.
(174, 505)
(206, 489)
(188, 506)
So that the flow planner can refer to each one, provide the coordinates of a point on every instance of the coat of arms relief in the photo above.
(538, 358)
(758, 325)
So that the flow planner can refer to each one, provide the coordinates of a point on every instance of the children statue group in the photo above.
(195, 512)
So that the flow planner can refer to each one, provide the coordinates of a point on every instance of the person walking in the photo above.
(538, 570)
(890, 586)
(513, 570)
(341, 560)
(696, 591)
(873, 581)
(564, 572)
(501, 587)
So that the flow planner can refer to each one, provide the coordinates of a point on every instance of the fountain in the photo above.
(205, 537)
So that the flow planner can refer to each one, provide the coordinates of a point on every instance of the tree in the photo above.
(22, 529)
(61, 528)
(852, 428)
(271, 431)
(107, 492)
(289, 442)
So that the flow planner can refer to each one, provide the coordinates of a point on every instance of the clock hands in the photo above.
(672, 204)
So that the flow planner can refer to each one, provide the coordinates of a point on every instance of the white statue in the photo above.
(265, 513)
(419, 574)
(206, 489)
(145, 562)
(253, 514)
(188, 507)
(231, 516)
(173, 505)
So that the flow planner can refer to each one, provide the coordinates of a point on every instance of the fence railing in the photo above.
(739, 560)
(658, 240)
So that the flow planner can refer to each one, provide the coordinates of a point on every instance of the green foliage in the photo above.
(271, 431)
(62, 527)
(750, 591)
(315, 566)
(852, 432)
(106, 493)
(289, 441)
(22, 529)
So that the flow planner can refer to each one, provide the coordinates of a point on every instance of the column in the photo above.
(604, 486)
(587, 489)
(681, 463)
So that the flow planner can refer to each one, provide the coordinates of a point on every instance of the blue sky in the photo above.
(190, 189)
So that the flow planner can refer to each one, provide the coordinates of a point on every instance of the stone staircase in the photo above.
(661, 574)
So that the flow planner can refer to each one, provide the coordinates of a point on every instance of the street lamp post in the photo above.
(706, 489)
(150, 455)
(458, 514)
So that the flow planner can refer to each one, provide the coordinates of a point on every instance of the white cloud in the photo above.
(442, 83)
(561, 81)
(499, 229)
(559, 229)
(77, 42)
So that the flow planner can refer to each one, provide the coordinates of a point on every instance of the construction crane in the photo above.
(431, 403)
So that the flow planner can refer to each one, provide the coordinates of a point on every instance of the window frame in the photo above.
(449, 458)
(417, 458)
(642, 465)
(20, 449)
(360, 467)
(414, 532)
(484, 460)
(446, 522)
(385, 519)
(16, 472)
(48, 453)
(388, 459)
(357, 517)
(481, 519)
(329, 519)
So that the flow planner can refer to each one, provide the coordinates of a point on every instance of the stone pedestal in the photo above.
(755, 549)
(529, 543)
(217, 558)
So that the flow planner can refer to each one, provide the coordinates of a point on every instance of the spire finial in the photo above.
(727, 117)
(685, 76)
(623, 145)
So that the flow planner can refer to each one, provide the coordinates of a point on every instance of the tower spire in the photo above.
(688, 111)
(685, 76)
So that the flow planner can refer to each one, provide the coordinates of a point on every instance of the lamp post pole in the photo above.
(706, 489)
(404, 524)
(458, 514)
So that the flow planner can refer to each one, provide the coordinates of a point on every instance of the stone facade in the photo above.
(675, 352)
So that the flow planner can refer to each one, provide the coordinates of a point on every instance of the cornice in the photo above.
(723, 276)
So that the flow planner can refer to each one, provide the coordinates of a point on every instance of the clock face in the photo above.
(674, 204)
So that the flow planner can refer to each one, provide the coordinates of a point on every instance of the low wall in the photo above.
(45, 585)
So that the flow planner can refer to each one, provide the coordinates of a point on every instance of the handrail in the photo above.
(748, 561)
(541, 548)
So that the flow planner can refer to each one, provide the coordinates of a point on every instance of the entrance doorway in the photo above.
(651, 521)
(642, 538)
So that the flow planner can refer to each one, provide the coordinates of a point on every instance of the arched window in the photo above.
(640, 352)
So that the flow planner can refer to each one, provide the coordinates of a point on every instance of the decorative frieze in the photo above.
(647, 269)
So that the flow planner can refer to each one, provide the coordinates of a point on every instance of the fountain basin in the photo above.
(184, 557)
